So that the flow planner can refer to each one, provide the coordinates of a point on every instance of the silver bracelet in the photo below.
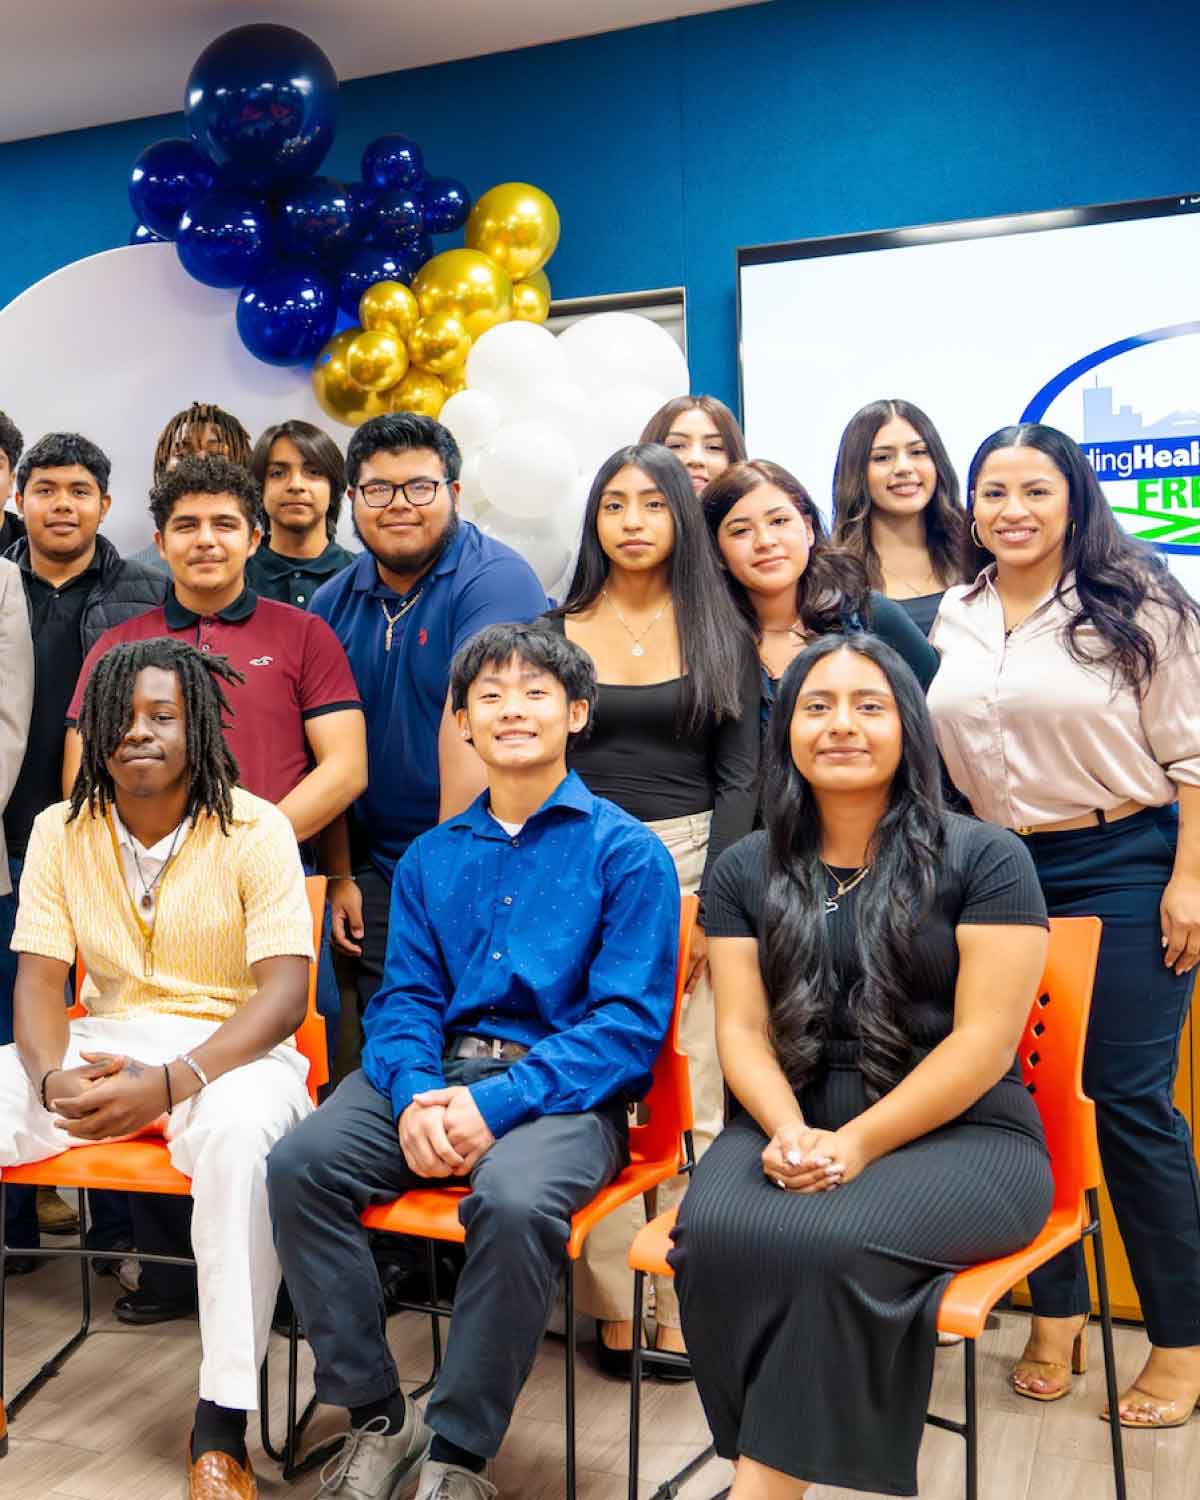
(191, 1062)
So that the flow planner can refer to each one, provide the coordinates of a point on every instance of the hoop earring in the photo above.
(975, 537)
(1071, 531)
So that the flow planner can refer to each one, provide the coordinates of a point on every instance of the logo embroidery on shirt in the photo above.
(261, 661)
(422, 636)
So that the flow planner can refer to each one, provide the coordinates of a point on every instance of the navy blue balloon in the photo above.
(226, 239)
(140, 235)
(367, 266)
(362, 199)
(286, 317)
(393, 161)
(447, 204)
(316, 220)
(422, 249)
(262, 103)
(397, 219)
(166, 178)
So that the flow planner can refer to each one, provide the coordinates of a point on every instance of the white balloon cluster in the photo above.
(541, 414)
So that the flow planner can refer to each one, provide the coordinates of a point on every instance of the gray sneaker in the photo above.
(451, 1482)
(376, 1465)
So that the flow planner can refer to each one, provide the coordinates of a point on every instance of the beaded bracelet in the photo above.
(42, 1089)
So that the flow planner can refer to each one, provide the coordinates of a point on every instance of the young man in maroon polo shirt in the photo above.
(297, 733)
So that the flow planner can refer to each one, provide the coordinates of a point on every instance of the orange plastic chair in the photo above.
(1051, 1056)
(660, 1148)
(137, 1166)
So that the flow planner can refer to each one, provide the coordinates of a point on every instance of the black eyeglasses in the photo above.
(379, 493)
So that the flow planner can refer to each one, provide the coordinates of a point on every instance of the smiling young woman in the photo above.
(896, 506)
(701, 432)
(1068, 707)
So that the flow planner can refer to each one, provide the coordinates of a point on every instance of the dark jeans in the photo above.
(377, 901)
(1117, 872)
(518, 1219)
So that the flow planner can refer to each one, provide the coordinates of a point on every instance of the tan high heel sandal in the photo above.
(1053, 1370)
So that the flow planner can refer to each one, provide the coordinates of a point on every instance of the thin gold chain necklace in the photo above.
(637, 649)
(842, 886)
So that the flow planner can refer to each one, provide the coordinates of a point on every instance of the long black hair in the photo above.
(1114, 574)
(943, 516)
(833, 587)
(890, 905)
(107, 709)
(712, 638)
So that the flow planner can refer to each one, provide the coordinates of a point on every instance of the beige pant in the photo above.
(604, 1285)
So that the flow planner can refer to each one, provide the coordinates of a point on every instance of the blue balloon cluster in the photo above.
(245, 207)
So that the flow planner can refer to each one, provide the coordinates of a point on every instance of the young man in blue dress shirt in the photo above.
(527, 988)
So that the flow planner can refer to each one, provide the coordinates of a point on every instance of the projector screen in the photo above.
(1088, 319)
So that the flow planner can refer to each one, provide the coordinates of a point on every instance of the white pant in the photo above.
(220, 1138)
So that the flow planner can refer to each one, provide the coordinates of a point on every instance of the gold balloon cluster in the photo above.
(409, 352)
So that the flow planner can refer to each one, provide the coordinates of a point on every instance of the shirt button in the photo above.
(299, 598)
(496, 955)
(516, 843)
(508, 900)
(205, 647)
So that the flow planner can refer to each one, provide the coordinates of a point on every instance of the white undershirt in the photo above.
(151, 860)
(512, 829)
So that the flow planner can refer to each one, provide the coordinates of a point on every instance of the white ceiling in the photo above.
(67, 64)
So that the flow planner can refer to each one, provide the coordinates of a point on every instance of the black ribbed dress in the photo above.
(811, 1318)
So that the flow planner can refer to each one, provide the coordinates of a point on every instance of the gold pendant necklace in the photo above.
(637, 649)
(842, 886)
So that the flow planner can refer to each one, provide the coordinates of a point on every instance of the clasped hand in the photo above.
(442, 1133)
(110, 1096)
(804, 1160)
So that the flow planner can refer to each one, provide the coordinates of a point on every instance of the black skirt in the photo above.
(811, 1319)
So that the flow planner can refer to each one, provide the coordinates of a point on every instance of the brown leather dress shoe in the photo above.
(216, 1476)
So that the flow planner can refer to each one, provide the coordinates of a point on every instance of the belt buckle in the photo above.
(1025, 830)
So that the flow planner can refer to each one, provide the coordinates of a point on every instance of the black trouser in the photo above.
(524, 1191)
(1117, 872)
(377, 901)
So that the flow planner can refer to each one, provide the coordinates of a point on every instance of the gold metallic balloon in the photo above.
(337, 394)
(531, 298)
(517, 225)
(467, 283)
(376, 360)
(440, 342)
(419, 391)
(389, 307)
(454, 381)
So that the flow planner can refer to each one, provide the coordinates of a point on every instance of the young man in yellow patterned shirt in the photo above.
(185, 897)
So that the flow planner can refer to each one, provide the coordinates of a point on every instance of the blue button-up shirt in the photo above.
(477, 581)
(563, 937)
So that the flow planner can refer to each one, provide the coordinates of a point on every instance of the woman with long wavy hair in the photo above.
(896, 506)
(785, 580)
(874, 959)
(675, 743)
(1067, 707)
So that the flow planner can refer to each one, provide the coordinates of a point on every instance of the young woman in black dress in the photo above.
(874, 959)
(896, 506)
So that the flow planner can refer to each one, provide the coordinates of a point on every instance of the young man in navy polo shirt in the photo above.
(528, 986)
(297, 731)
(426, 583)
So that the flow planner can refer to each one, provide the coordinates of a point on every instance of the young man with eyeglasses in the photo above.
(427, 582)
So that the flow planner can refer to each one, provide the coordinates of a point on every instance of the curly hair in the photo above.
(107, 708)
(206, 476)
(234, 437)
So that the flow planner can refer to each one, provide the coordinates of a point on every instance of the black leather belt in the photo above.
(487, 1046)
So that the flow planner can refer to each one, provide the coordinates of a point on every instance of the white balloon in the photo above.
(514, 358)
(472, 416)
(560, 404)
(527, 469)
(616, 418)
(471, 499)
(618, 348)
(537, 543)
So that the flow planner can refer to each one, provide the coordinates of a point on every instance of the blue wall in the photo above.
(668, 146)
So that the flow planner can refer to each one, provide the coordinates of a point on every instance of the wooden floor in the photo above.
(113, 1425)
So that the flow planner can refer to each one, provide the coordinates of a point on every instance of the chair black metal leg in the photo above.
(971, 1402)
(635, 1385)
(569, 1380)
(435, 1323)
(61, 1355)
(1106, 1333)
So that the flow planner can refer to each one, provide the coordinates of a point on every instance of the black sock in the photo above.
(443, 1451)
(393, 1407)
(219, 1429)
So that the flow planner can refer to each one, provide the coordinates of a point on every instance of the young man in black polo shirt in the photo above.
(302, 475)
(76, 585)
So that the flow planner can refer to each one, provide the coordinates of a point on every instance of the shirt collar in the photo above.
(179, 618)
(126, 839)
(366, 579)
(570, 795)
(985, 583)
(275, 565)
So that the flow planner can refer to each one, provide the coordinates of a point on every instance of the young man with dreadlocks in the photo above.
(185, 898)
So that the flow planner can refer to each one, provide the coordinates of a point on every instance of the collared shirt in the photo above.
(54, 616)
(477, 581)
(295, 670)
(562, 937)
(1032, 736)
(142, 867)
(294, 580)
